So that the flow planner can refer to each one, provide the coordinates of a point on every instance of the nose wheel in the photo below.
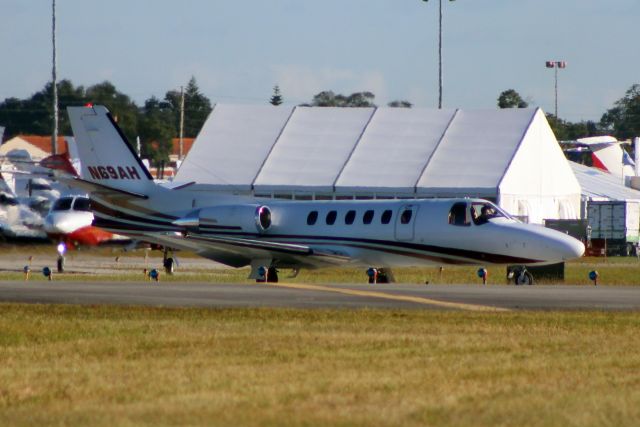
(520, 276)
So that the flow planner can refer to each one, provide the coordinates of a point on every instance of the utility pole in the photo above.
(54, 136)
(439, 53)
(556, 65)
(181, 152)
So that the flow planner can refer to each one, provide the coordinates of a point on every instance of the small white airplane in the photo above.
(70, 222)
(240, 231)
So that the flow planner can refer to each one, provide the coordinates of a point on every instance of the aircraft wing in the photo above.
(238, 252)
(95, 188)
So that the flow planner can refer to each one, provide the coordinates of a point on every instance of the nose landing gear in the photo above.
(519, 275)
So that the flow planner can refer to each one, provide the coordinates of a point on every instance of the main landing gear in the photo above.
(261, 273)
(380, 275)
(168, 262)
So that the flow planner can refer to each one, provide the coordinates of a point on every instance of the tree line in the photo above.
(621, 121)
(157, 122)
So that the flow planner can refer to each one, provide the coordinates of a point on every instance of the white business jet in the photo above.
(240, 231)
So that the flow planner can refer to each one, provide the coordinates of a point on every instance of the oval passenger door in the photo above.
(405, 222)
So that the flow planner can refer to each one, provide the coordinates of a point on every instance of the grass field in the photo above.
(72, 365)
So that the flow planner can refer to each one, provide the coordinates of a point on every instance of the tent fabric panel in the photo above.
(233, 144)
(539, 166)
(477, 148)
(314, 146)
(395, 148)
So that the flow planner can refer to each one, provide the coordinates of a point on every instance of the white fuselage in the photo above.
(376, 232)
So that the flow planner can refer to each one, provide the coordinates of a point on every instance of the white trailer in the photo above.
(614, 226)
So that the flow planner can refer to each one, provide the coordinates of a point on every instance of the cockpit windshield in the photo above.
(81, 204)
(464, 213)
(63, 204)
(483, 212)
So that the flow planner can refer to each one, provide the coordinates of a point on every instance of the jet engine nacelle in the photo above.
(248, 218)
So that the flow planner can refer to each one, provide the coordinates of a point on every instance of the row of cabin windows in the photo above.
(367, 217)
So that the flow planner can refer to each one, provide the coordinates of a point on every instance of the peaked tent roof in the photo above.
(233, 144)
(350, 150)
(313, 148)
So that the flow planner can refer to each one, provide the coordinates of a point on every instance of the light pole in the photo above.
(555, 65)
(439, 53)
(54, 135)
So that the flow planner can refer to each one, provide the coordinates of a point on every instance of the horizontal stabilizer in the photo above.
(93, 187)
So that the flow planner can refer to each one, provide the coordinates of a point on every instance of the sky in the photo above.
(238, 50)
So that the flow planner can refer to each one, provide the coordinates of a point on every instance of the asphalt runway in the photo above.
(391, 296)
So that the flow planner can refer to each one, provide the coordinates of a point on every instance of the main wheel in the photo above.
(169, 265)
(272, 275)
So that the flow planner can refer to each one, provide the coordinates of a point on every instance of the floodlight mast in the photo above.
(556, 65)
(181, 151)
(439, 53)
(54, 135)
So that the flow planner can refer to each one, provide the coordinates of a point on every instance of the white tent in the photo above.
(509, 156)
(598, 185)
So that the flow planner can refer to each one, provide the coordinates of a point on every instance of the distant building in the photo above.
(38, 147)
(172, 166)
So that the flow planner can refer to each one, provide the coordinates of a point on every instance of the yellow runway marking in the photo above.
(383, 295)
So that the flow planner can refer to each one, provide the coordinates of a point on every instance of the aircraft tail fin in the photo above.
(106, 156)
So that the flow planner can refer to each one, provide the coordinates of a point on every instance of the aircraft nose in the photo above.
(565, 247)
(571, 248)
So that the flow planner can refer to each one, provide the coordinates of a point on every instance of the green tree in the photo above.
(330, 99)
(623, 120)
(568, 131)
(122, 108)
(156, 130)
(197, 108)
(511, 99)
(276, 98)
(400, 104)
(35, 114)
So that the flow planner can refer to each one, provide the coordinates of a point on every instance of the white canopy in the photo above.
(510, 156)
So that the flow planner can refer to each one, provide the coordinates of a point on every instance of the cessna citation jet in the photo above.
(240, 231)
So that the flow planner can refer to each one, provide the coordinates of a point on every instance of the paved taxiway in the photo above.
(461, 297)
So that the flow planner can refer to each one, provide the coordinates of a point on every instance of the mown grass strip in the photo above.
(74, 365)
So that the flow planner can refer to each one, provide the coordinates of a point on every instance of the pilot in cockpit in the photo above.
(486, 213)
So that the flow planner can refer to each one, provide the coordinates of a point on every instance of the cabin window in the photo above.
(63, 204)
(367, 217)
(386, 216)
(458, 214)
(312, 217)
(81, 204)
(331, 217)
(350, 217)
(405, 218)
